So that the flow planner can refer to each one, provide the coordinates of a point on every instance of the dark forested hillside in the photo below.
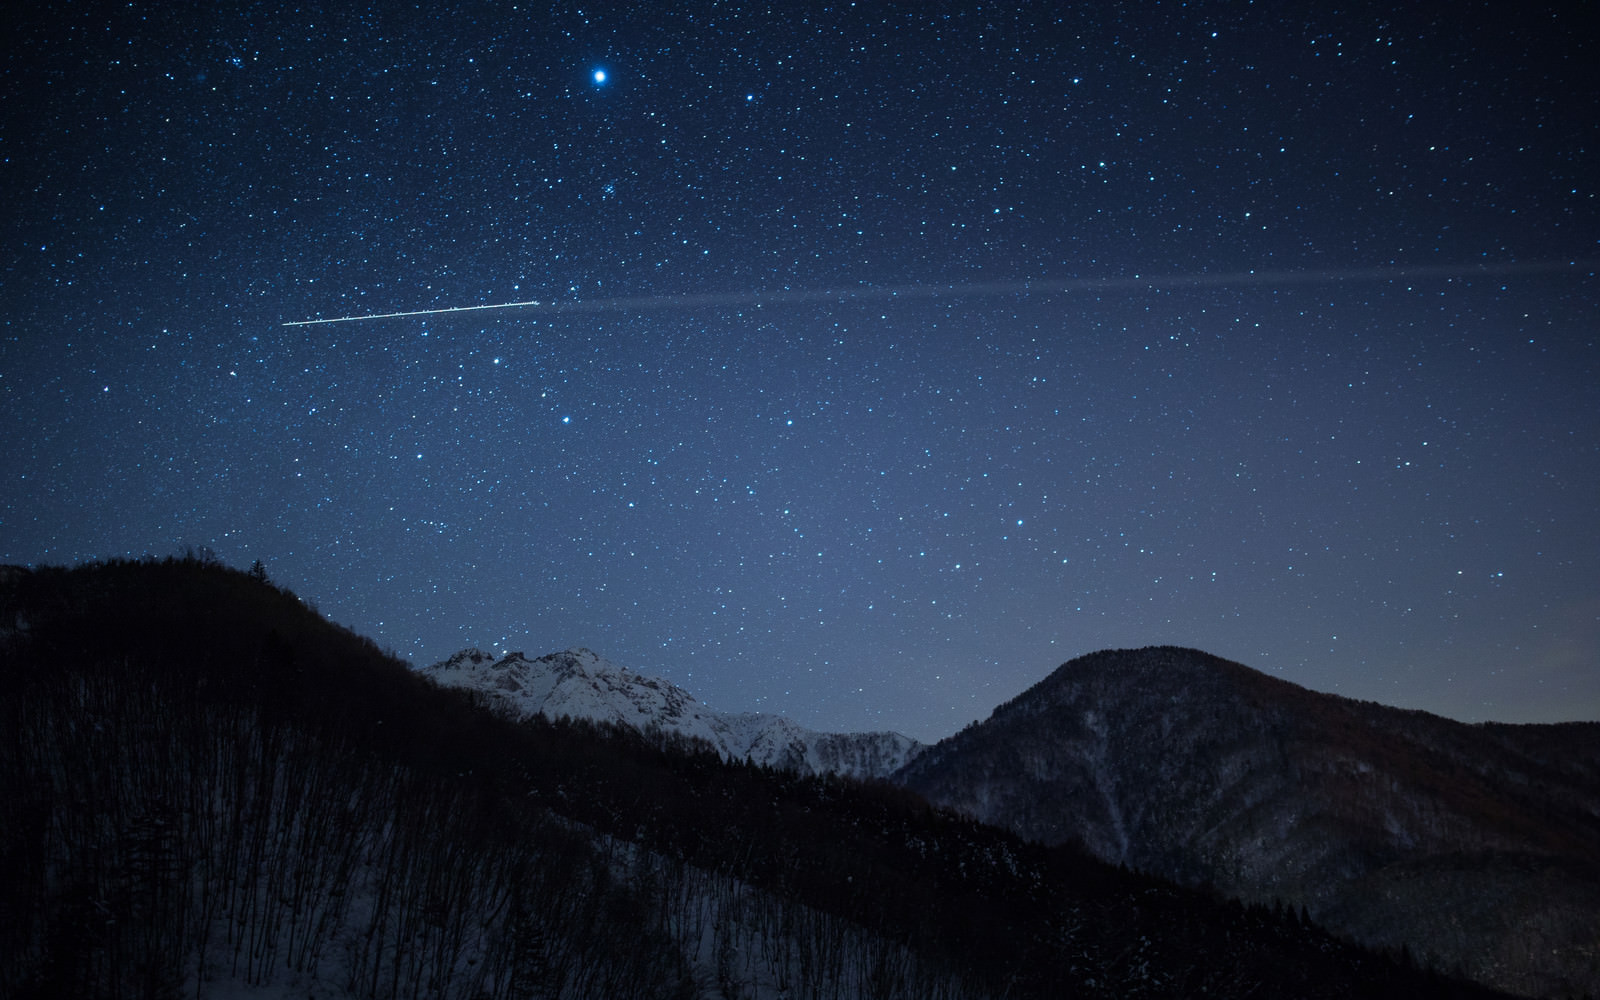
(206, 786)
(1475, 847)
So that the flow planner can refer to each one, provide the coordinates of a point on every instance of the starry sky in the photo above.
(885, 356)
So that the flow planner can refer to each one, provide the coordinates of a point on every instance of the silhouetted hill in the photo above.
(210, 789)
(1477, 847)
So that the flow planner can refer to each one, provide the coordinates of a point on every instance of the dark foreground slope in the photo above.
(1477, 847)
(208, 787)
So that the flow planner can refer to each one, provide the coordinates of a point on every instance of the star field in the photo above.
(884, 358)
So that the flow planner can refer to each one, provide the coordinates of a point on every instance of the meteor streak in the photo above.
(415, 312)
(869, 293)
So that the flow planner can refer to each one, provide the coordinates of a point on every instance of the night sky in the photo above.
(886, 356)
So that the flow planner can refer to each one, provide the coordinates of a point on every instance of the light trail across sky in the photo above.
(641, 303)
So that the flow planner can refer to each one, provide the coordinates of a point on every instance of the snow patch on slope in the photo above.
(580, 684)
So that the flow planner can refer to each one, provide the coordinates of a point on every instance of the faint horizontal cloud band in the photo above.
(645, 303)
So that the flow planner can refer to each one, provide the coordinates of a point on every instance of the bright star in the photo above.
(599, 76)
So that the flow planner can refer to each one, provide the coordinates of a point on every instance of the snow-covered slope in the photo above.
(582, 685)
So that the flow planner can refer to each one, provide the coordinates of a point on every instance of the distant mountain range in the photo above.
(579, 684)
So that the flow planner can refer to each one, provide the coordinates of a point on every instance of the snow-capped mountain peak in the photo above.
(579, 683)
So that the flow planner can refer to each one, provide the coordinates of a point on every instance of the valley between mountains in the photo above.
(211, 791)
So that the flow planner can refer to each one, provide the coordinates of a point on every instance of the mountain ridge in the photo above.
(579, 683)
(1205, 771)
